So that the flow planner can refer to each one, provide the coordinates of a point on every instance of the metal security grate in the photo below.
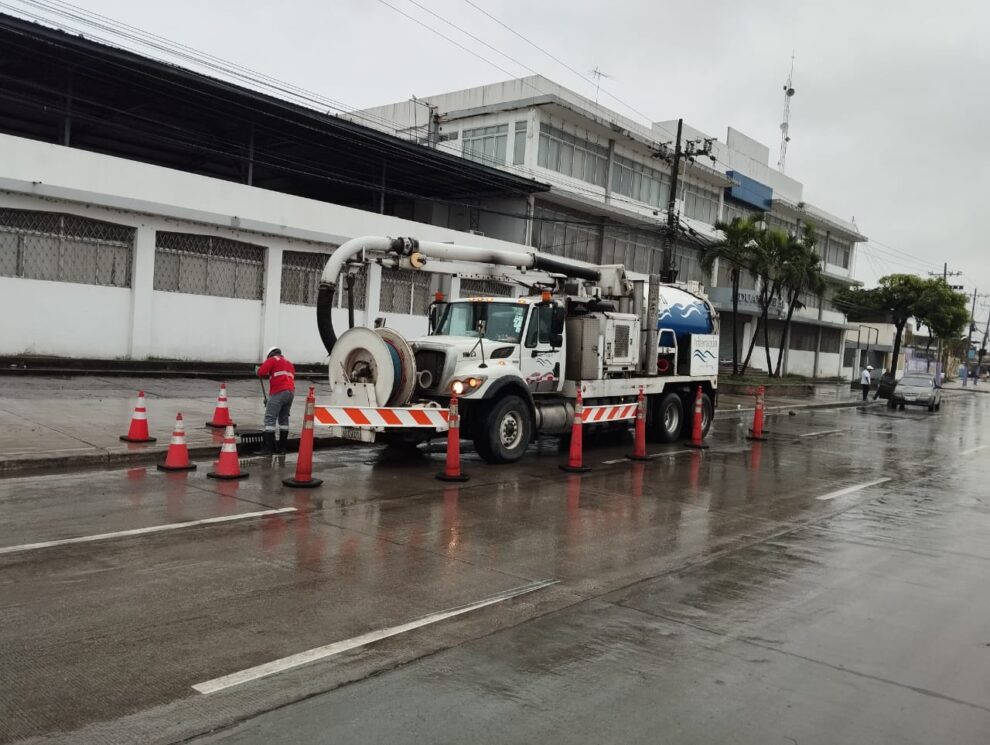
(621, 341)
(208, 265)
(404, 292)
(485, 288)
(301, 274)
(65, 248)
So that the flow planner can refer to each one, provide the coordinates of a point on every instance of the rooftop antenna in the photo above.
(785, 126)
(598, 75)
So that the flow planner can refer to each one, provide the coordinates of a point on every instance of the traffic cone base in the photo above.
(452, 477)
(226, 476)
(574, 469)
(304, 463)
(164, 467)
(138, 429)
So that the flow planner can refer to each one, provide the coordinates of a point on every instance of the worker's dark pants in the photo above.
(277, 409)
(866, 390)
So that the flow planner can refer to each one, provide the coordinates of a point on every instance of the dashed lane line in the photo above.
(851, 489)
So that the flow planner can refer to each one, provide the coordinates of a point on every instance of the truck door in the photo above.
(541, 363)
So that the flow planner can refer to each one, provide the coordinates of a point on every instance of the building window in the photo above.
(301, 276)
(640, 182)
(700, 203)
(486, 144)
(637, 250)
(563, 233)
(485, 288)
(208, 265)
(837, 252)
(65, 248)
(404, 292)
(519, 144)
(831, 341)
(572, 156)
(804, 338)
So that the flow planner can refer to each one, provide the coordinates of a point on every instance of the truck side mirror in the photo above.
(557, 323)
(556, 340)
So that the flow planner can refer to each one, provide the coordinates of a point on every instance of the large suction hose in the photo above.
(415, 251)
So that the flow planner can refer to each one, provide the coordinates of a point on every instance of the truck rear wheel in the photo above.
(668, 418)
(505, 431)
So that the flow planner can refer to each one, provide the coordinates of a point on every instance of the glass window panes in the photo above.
(639, 182)
(519, 144)
(572, 156)
(486, 144)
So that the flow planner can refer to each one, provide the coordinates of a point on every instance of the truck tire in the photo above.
(668, 418)
(505, 431)
(707, 413)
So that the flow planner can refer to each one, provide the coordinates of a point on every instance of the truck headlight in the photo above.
(468, 384)
(457, 387)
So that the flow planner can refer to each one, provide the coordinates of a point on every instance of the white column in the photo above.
(271, 300)
(142, 289)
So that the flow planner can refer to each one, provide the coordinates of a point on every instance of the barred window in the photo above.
(65, 248)
(572, 156)
(804, 338)
(208, 265)
(485, 288)
(831, 341)
(404, 292)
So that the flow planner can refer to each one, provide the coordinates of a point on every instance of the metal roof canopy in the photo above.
(66, 89)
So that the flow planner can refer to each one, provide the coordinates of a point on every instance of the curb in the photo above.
(742, 413)
(105, 458)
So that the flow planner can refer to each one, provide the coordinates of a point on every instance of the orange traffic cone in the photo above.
(304, 463)
(177, 458)
(221, 414)
(575, 458)
(697, 429)
(452, 468)
(639, 444)
(227, 466)
(138, 431)
(757, 432)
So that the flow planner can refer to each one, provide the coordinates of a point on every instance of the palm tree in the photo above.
(765, 262)
(800, 272)
(733, 250)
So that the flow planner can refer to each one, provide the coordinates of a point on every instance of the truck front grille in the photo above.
(432, 361)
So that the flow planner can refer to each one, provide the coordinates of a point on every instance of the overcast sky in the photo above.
(887, 124)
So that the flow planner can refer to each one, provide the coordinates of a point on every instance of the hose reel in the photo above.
(378, 358)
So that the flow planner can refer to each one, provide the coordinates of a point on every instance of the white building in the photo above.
(609, 196)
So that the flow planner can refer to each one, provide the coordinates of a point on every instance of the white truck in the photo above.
(517, 364)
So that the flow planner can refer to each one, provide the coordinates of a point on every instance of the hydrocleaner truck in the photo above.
(517, 364)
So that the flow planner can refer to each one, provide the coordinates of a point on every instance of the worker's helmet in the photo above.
(272, 351)
(869, 367)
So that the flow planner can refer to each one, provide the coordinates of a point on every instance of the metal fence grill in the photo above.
(404, 292)
(65, 248)
(485, 288)
(301, 279)
(208, 265)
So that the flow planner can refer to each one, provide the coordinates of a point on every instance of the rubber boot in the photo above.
(283, 442)
(269, 443)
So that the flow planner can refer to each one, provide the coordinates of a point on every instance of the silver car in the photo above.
(917, 390)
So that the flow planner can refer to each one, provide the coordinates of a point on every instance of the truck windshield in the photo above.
(503, 321)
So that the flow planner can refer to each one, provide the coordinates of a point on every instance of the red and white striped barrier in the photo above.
(385, 417)
(609, 413)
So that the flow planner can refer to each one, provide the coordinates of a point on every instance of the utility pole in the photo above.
(940, 374)
(969, 337)
(690, 150)
(983, 351)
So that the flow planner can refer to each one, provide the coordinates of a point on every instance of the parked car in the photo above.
(916, 389)
(885, 387)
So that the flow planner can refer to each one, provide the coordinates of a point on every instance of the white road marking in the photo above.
(329, 650)
(823, 432)
(851, 489)
(974, 450)
(142, 531)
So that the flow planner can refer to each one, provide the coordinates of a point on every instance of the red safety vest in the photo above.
(281, 374)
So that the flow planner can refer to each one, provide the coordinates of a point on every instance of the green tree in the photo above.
(800, 272)
(895, 300)
(944, 311)
(765, 263)
(733, 250)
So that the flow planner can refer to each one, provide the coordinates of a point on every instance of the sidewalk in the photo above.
(50, 422)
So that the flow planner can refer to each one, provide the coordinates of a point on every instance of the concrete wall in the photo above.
(81, 320)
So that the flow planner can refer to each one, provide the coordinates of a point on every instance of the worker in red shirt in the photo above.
(281, 376)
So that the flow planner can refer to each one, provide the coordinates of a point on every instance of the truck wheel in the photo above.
(707, 413)
(504, 433)
(668, 418)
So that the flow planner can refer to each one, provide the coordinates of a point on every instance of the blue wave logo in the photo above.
(682, 310)
(703, 355)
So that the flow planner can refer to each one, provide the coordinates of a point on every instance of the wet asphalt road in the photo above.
(777, 592)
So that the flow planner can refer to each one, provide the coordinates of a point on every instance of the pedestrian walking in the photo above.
(281, 376)
(864, 381)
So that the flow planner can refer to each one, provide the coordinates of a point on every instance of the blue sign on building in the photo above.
(749, 191)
